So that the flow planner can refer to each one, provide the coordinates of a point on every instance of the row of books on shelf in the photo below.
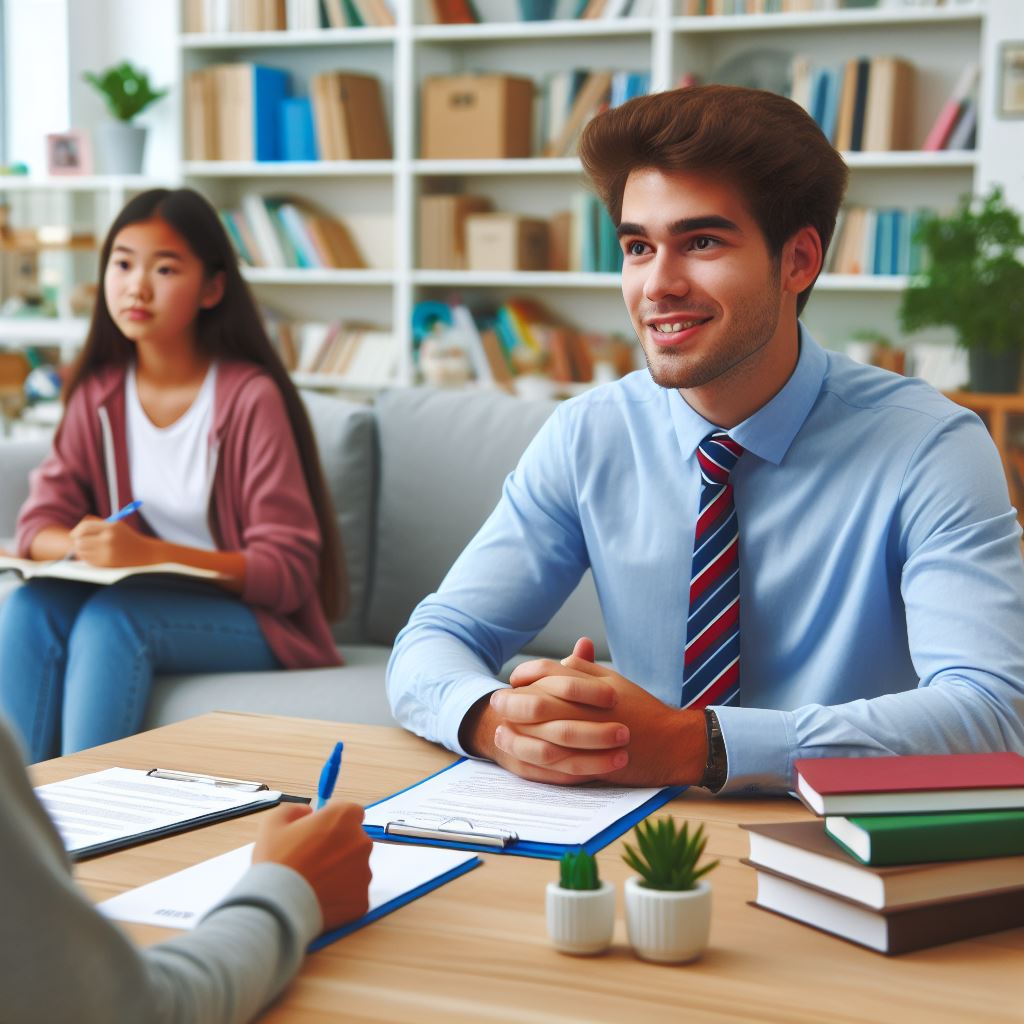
(462, 232)
(569, 99)
(244, 112)
(470, 12)
(693, 8)
(288, 231)
(286, 15)
(906, 852)
(519, 338)
(354, 353)
(876, 241)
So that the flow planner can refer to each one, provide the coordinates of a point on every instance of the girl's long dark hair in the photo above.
(230, 330)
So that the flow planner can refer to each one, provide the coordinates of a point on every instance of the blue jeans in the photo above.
(77, 660)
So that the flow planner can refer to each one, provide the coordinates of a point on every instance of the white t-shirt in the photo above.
(170, 466)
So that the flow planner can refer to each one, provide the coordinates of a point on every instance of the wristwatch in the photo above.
(716, 769)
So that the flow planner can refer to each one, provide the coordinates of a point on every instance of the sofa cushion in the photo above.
(19, 459)
(345, 438)
(354, 693)
(443, 459)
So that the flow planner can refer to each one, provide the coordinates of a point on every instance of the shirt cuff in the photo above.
(758, 749)
(457, 706)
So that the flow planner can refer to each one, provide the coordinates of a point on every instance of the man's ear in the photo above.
(801, 260)
(213, 291)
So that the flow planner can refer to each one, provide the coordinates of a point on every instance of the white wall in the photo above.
(36, 40)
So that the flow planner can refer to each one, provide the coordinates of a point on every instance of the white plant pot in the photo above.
(120, 147)
(668, 927)
(581, 921)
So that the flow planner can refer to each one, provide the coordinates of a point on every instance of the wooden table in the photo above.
(476, 949)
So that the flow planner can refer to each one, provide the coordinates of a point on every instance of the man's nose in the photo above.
(666, 277)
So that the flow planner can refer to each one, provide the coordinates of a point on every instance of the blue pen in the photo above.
(329, 775)
(123, 513)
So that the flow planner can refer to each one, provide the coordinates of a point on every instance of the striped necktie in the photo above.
(711, 668)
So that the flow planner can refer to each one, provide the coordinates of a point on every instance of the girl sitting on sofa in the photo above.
(177, 401)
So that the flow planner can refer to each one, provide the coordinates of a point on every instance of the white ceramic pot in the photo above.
(120, 147)
(581, 921)
(668, 927)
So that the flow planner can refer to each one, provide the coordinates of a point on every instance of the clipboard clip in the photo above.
(459, 829)
(207, 780)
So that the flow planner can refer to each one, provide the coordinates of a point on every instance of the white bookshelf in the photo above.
(938, 41)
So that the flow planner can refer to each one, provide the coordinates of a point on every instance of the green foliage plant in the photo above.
(668, 856)
(125, 89)
(578, 870)
(973, 276)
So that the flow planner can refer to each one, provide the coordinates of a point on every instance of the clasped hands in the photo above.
(576, 721)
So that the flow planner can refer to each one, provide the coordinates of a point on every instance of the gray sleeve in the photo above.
(60, 959)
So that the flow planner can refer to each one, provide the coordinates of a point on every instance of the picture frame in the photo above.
(68, 153)
(1011, 79)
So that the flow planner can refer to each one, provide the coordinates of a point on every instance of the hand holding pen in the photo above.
(104, 542)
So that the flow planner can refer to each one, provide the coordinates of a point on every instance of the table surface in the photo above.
(476, 949)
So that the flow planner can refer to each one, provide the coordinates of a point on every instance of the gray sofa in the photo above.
(412, 477)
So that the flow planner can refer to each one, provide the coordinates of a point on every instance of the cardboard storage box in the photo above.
(506, 241)
(476, 117)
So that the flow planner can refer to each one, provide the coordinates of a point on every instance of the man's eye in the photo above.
(704, 242)
(636, 248)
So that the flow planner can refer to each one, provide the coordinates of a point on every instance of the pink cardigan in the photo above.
(259, 502)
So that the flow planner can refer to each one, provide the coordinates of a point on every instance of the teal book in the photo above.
(921, 838)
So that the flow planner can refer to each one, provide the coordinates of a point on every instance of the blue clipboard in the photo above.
(386, 908)
(497, 842)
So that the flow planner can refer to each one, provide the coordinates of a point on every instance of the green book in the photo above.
(922, 838)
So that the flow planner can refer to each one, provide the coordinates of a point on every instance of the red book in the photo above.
(897, 785)
(938, 136)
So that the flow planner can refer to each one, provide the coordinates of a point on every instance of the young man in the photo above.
(60, 960)
(796, 556)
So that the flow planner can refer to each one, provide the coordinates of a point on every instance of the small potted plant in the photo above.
(580, 907)
(668, 907)
(973, 281)
(127, 92)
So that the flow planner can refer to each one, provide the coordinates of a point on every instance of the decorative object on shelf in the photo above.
(1011, 79)
(973, 281)
(127, 92)
(668, 907)
(580, 907)
(68, 153)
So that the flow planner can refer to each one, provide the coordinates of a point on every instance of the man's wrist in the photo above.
(476, 733)
(716, 766)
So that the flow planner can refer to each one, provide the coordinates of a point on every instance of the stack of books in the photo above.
(876, 241)
(907, 852)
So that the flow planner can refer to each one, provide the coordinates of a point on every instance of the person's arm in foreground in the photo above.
(60, 959)
(963, 589)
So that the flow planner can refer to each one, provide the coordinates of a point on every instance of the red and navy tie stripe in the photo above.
(711, 667)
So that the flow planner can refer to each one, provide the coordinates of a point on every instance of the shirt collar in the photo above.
(769, 432)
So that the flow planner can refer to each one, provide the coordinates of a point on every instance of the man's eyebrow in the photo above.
(684, 226)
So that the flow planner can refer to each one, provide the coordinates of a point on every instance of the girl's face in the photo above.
(155, 285)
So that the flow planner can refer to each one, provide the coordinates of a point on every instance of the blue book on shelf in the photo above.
(269, 89)
(639, 84)
(830, 111)
(536, 10)
(298, 136)
(609, 252)
(819, 95)
(896, 248)
(879, 249)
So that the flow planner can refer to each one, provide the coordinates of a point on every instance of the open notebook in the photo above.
(83, 572)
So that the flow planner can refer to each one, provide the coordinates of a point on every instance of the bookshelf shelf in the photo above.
(289, 169)
(826, 19)
(861, 283)
(528, 30)
(80, 183)
(287, 40)
(530, 165)
(28, 331)
(295, 276)
(913, 160)
(514, 279)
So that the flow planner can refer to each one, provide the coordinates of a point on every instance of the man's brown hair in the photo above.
(766, 145)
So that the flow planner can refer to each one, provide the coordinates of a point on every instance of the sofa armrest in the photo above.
(17, 460)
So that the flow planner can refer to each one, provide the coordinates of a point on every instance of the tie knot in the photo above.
(717, 454)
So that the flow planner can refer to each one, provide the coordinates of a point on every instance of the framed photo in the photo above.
(68, 153)
(1011, 80)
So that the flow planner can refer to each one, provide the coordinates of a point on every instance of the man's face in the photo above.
(702, 289)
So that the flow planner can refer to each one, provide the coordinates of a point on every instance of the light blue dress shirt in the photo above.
(882, 588)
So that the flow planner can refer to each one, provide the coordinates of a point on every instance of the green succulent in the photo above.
(125, 89)
(578, 871)
(973, 276)
(668, 856)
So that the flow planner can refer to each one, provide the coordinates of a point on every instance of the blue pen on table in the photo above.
(329, 775)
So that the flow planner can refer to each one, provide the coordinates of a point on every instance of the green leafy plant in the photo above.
(578, 870)
(668, 856)
(125, 89)
(973, 276)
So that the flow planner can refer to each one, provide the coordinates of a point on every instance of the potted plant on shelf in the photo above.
(668, 907)
(580, 907)
(127, 92)
(973, 281)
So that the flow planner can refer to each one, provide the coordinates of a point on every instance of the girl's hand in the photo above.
(101, 543)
